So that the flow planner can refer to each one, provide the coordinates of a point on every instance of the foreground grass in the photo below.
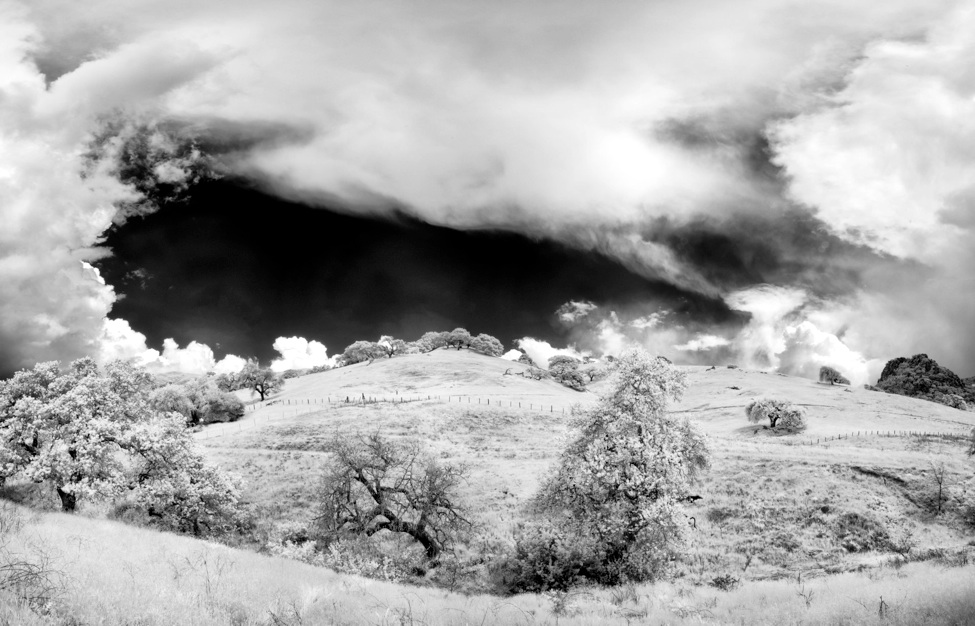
(114, 574)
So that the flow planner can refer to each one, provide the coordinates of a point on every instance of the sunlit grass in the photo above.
(121, 575)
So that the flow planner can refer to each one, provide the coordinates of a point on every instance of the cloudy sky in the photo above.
(776, 183)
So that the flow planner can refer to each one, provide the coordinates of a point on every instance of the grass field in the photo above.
(116, 574)
(814, 528)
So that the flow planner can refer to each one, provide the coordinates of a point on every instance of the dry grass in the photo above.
(763, 503)
(122, 575)
(779, 514)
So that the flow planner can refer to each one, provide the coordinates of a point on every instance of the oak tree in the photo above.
(618, 486)
(92, 434)
(781, 414)
(260, 380)
(373, 484)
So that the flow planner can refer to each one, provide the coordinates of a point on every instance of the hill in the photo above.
(791, 519)
(443, 372)
(855, 439)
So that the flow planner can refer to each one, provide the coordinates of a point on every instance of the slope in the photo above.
(844, 467)
(111, 574)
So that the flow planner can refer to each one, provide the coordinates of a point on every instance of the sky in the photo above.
(773, 183)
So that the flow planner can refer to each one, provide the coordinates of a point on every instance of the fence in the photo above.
(885, 433)
(364, 399)
(217, 430)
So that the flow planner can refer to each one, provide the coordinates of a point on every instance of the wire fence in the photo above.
(281, 408)
(362, 399)
(885, 434)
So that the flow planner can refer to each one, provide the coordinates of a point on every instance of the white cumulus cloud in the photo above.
(703, 342)
(299, 353)
(540, 351)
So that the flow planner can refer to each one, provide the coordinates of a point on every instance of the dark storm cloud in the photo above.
(237, 268)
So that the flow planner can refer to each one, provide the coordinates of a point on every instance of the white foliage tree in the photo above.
(619, 484)
(90, 434)
(781, 414)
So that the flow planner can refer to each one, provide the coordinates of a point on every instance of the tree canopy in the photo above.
(781, 414)
(361, 351)
(432, 340)
(459, 338)
(486, 344)
(91, 434)
(832, 376)
(260, 380)
(373, 484)
(565, 370)
(922, 377)
(617, 489)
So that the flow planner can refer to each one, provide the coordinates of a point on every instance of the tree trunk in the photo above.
(68, 500)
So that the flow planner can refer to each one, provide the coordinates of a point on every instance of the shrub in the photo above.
(545, 558)
(858, 532)
(950, 399)
(727, 582)
(781, 414)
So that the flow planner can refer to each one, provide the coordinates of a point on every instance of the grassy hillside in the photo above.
(278, 448)
(109, 573)
(809, 524)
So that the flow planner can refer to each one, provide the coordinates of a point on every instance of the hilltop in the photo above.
(442, 372)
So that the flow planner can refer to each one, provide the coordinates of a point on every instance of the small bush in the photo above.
(388, 558)
(858, 532)
(544, 559)
(717, 515)
(727, 582)
(31, 578)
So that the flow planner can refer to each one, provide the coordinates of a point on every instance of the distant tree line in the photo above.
(388, 346)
